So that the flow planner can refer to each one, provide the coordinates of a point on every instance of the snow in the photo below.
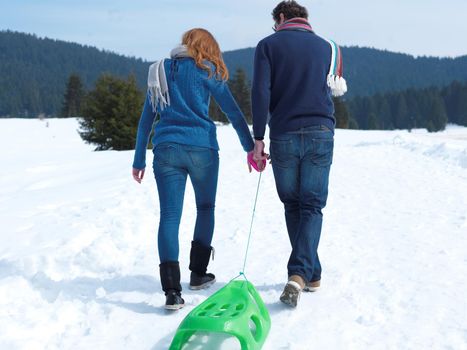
(79, 264)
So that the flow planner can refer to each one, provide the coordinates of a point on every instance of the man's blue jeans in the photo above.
(301, 161)
(172, 164)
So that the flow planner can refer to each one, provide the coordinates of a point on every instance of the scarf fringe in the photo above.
(337, 84)
(158, 98)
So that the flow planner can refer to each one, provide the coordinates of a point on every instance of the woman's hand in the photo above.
(249, 156)
(138, 175)
(257, 158)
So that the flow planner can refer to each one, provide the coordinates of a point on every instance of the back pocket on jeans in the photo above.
(322, 151)
(282, 152)
(201, 158)
(164, 153)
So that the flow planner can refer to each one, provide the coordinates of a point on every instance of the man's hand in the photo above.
(138, 175)
(259, 156)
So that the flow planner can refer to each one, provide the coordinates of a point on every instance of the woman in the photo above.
(185, 144)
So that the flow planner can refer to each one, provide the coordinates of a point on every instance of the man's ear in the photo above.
(282, 18)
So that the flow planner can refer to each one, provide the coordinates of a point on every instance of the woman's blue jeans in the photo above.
(301, 161)
(172, 164)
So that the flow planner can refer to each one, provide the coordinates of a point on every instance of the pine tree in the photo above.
(73, 98)
(438, 117)
(368, 107)
(341, 113)
(373, 122)
(401, 112)
(455, 101)
(215, 112)
(241, 92)
(413, 110)
(384, 113)
(111, 113)
(462, 107)
(353, 124)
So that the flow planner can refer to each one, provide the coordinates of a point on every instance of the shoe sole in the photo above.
(310, 289)
(202, 286)
(288, 302)
(291, 294)
(174, 307)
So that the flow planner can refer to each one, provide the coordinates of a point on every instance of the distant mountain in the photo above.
(34, 71)
(369, 71)
(242, 59)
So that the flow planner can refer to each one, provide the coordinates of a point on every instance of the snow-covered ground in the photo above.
(78, 255)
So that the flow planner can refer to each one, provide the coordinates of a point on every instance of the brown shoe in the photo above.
(312, 286)
(298, 279)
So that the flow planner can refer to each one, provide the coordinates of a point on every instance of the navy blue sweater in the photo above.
(186, 120)
(290, 83)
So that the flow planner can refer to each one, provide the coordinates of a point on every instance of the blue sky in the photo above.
(149, 29)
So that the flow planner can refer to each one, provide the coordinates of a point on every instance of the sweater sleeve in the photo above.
(146, 122)
(260, 91)
(221, 93)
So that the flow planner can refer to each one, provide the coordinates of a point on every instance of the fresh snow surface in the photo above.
(79, 263)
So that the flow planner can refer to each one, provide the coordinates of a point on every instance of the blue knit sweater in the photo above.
(290, 83)
(186, 120)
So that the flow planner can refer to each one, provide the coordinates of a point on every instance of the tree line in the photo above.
(109, 113)
(369, 71)
(431, 108)
(34, 71)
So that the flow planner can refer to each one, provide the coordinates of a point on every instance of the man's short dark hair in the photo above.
(290, 9)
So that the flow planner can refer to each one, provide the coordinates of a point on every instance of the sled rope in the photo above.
(242, 273)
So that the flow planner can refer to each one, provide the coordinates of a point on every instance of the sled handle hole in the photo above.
(224, 307)
(210, 306)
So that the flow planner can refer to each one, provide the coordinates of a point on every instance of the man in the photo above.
(295, 72)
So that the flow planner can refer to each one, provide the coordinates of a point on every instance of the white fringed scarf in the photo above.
(157, 80)
(335, 79)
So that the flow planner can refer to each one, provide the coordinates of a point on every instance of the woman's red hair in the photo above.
(202, 46)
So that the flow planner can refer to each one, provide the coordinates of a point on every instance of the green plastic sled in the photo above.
(235, 310)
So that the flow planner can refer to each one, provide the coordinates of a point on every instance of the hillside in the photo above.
(33, 71)
(369, 71)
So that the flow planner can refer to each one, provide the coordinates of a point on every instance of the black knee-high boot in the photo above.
(170, 280)
(199, 260)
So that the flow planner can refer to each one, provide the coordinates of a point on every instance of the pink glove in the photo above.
(253, 163)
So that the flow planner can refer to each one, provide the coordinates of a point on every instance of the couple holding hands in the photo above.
(296, 72)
